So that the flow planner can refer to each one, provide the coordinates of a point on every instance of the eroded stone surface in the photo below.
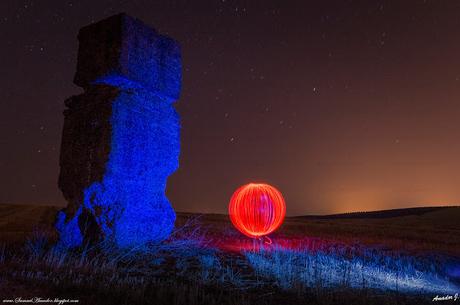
(120, 139)
(124, 51)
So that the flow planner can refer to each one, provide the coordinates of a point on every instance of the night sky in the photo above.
(343, 105)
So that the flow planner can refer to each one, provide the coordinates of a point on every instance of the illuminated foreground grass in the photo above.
(295, 268)
(186, 269)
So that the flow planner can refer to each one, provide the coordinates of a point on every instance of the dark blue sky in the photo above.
(343, 105)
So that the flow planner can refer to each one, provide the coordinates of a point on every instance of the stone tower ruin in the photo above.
(120, 140)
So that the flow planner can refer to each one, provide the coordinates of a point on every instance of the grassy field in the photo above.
(388, 257)
(418, 230)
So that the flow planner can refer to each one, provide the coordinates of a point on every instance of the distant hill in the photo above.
(380, 214)
(17, 221)
(416, 229)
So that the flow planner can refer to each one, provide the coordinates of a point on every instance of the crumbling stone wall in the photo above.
(120, 140)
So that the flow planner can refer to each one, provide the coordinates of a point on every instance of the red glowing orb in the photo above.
(257, 209)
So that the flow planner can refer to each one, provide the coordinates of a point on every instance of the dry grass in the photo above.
(437, 231)
(190, 268)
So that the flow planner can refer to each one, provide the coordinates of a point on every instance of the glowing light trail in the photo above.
(257, 209)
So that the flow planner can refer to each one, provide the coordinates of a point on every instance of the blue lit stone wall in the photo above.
(120, 139)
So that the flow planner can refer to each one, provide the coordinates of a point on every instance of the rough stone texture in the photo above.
(125, 52)
(120, 140)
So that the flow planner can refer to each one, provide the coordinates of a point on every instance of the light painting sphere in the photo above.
(257, 209)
